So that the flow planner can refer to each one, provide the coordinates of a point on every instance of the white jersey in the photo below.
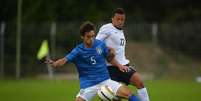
(114, 38)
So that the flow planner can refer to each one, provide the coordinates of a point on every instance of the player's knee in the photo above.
(124, 92)
(139, 84)
(79, 99)
(136, 80)
(128, 93)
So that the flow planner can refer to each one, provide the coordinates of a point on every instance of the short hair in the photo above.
(86, 26)
(118, 11)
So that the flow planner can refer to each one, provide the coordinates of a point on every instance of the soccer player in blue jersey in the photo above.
(89, 58)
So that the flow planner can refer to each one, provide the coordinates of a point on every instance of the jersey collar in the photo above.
(117, 27)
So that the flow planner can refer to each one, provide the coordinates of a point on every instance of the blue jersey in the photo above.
(90, 63)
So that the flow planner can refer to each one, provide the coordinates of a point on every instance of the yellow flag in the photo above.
(43, 51)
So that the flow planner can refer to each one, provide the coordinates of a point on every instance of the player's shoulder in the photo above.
(79, 47)
(107, 26)
(99, 42)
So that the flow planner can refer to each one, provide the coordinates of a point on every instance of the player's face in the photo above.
(88, 38)
(118, 20)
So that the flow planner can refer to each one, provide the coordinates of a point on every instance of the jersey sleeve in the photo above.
(72, 55)
(103, 33)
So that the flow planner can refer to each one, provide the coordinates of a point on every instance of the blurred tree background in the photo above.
(70, 10)
(179, 23)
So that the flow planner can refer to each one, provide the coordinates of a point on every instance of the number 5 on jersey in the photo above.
(93, 61)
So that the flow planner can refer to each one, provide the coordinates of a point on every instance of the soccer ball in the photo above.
(105, 93)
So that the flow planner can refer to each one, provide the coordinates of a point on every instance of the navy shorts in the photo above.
(120, 76)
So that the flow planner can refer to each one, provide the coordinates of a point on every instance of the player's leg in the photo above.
(118, 76)
(136, 80)
(142, 91)
(124, 92)
(86, 94)
(79, 99)
(130, 77)
(121, 90)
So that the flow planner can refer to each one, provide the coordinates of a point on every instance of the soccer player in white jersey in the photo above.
(113, 35)
(89, 58)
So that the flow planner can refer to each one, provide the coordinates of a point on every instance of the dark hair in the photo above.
(86, 27)
(118, 11)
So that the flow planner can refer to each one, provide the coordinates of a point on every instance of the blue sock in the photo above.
(133, 98)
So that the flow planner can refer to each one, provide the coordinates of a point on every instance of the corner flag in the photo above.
(43, 51)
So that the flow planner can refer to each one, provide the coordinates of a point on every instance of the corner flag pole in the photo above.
(44, 52)
(49, 68)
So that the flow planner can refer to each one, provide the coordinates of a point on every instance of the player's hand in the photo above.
(123, 68)
(49, 61)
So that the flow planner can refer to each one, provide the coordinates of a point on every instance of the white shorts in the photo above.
(88, 93)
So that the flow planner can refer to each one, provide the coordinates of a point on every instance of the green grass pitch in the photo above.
(66, 90)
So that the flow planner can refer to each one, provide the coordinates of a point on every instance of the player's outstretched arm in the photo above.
(57, 63)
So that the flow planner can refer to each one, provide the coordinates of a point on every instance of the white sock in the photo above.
(143, 94)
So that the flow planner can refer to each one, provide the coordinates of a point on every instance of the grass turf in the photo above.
(66, 90)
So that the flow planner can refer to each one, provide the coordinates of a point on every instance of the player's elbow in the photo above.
(110, 57)
(111, 54)
(111, 50)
